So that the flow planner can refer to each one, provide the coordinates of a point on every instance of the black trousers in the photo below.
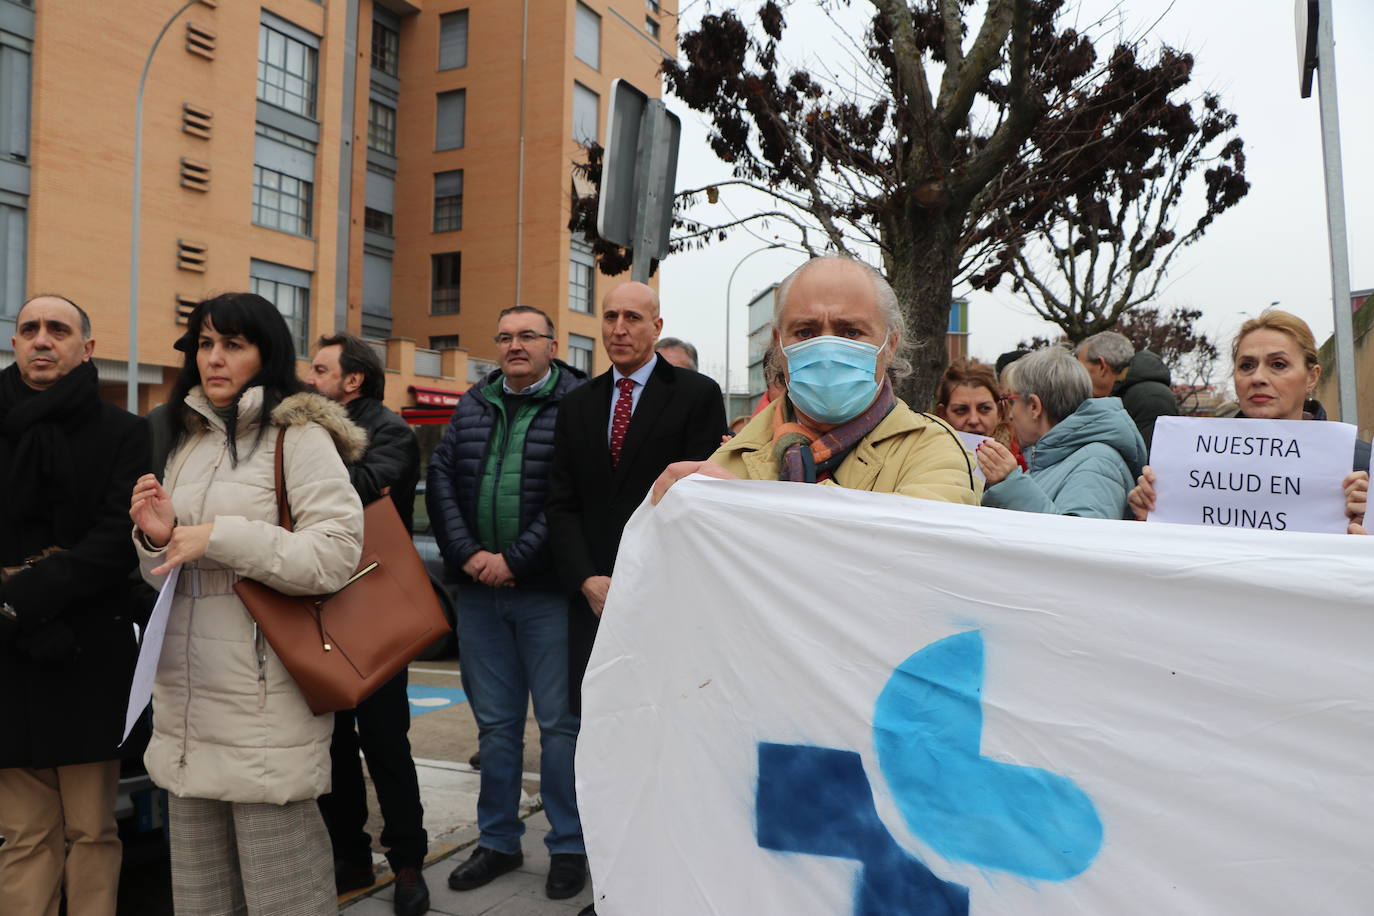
(379, 726)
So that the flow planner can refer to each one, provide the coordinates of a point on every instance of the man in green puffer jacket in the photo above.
(486, 490)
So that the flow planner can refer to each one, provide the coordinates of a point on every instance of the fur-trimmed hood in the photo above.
(309, 407)
(296, 410)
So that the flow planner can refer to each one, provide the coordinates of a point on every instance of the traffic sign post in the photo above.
(1317, 51)
(638, 176)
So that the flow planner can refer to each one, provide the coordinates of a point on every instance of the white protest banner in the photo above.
(810, 701)
(1283, 475)
(971, 442)
(149, 651)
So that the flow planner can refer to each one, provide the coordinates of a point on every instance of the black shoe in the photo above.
(412, 894)
(482, 867)
(475, 761)
(567, 875)
(352, 876)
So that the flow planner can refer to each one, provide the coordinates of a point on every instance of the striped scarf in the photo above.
(807, 456)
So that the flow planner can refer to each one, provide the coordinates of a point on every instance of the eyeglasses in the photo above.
(1009, 399)
(525, 337)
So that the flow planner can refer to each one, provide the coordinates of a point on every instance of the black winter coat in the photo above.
(680, 417)
(455, 468)
(1146, 394)
(392, 458)
(65, 669)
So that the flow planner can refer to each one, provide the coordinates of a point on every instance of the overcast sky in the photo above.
(1270, 247)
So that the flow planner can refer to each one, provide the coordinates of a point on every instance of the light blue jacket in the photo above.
(1084, 466)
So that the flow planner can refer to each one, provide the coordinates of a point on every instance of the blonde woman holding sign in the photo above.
(1275, 371)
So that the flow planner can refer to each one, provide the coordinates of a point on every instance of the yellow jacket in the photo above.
(909, 453)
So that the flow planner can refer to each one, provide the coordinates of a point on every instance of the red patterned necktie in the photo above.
(620, 420)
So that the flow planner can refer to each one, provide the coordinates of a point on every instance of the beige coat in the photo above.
(228, 721)
(910, 453)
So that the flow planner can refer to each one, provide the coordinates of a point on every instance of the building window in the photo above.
(587, 37)
(286, 71)
(386, 49)
(15, 70)
(443, 342)
(651, 26)
(448, 201)
(580, 351)
(289, 290)
(581, 276)
(453, 40)
(381, 128)
(376, 321)
(377, 221)
(586, 110)
(280, 201)
(652, 5)
(446, 272)
(14, 235)
(450, 115)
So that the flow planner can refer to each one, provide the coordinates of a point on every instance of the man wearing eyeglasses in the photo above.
(486, 491)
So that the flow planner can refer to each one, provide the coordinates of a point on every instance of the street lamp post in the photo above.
(728, 285)
(132, 403)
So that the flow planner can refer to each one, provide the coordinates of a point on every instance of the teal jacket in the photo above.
(1084, 466)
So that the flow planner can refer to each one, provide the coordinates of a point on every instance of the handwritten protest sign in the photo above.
(1283, 475)
(149, 651)
(971, 442)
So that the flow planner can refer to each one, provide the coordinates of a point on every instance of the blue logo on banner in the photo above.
(927, 728)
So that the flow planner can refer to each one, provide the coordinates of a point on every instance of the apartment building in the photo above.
(399, 169)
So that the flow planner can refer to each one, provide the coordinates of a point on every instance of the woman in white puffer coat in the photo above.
(234, 743)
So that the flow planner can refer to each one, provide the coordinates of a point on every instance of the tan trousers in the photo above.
(59, 828)
(234, 858)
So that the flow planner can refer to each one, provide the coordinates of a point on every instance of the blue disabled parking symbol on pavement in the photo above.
(432, 699)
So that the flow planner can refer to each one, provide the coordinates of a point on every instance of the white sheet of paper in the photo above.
(971, 442)
(1283, 475)
(149, 651)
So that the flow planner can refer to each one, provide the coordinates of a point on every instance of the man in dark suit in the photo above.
(614, 436)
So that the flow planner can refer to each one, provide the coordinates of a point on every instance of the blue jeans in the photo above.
(513, 644)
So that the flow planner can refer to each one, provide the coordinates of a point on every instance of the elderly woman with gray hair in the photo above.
(1084, 453)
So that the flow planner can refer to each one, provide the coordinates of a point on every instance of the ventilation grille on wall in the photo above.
(200, 40)
(185, 306)
(195, 174)
(196, 121)
(192, 255)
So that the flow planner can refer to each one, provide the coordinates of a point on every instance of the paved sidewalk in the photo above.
(520, 893)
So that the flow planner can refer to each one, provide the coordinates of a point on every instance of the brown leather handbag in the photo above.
(342, 647)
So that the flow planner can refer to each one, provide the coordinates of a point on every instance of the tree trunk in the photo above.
(921, 272)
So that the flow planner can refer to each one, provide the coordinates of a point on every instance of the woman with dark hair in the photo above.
(234, 742)
(1275, 370)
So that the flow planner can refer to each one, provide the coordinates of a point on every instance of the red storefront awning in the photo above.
(435, 397)
(426, 416)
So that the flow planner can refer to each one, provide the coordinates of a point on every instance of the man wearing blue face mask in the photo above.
(840, 330)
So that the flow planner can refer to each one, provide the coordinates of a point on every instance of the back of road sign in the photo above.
(638, 174)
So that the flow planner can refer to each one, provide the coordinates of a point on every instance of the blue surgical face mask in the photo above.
(832, 379)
